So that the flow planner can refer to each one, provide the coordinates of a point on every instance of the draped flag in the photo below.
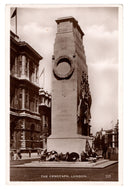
(14, 13)
(41, 72)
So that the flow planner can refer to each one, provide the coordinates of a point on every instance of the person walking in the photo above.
(29, 152)
(12, 155)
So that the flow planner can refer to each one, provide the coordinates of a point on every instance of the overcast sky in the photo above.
(37, 27)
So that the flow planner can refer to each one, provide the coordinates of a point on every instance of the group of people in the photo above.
(15, 155)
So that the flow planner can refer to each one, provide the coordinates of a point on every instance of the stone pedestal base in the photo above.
(72, 144)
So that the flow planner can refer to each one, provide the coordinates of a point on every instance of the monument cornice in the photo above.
(71, 19)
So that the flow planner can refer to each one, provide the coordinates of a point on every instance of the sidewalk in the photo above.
(25, 159)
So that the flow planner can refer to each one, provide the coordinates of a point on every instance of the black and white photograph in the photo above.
(64, 117)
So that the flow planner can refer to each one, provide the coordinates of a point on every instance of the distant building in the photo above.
(45, 113)
(25, 119)
(108, 138)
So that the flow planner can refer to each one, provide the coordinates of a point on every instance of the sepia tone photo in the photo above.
(64, 117)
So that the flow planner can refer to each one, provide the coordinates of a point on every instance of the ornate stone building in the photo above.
(45, 114)
(25, 118)
(108, 139)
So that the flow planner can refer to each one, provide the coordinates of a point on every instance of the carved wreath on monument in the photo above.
(63, 67)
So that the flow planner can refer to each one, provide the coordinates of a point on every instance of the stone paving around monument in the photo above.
(99, 164)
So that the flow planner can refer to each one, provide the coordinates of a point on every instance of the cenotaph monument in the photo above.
(71, 98)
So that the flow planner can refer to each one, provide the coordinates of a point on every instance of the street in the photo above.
(109, 173)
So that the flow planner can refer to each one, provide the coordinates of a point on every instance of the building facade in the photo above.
(25, 118)
(45, 114)
(109, 140)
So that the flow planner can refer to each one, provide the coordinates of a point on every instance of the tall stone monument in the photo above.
(71, 99)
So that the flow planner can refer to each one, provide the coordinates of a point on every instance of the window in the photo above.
(46, 121)
(36, 105)
(19, 63)
(20, 98)
(26, 99)
(43, 121)
(16, 66)
(36, 74)
(26, 69)
(31, 102)
(31, 70)
(16, 98)
(12, 65)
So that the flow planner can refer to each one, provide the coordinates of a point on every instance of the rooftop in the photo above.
(24, 44)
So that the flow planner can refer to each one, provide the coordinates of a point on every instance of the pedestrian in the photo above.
(109, 152)
(104, 151)
(15, 156)
(19, 155)
(29, 153)
(38, 152)
(12, 155)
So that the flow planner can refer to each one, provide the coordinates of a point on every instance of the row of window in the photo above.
(23, 99)
(22, 66)
(31, 101)
(45, 101)
(16, 99)
(32, 135)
